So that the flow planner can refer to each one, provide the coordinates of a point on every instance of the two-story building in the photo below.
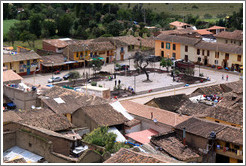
(23, 63)
(178, 47)
(56, 45)
(235, 37)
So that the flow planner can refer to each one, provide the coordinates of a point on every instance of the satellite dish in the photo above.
(155, 120)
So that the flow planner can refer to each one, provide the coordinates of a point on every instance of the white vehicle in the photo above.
(54, 79)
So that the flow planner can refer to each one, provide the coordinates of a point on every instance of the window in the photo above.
(186, 48)
(227, 144)
(174, 55)
(240, 43)
(207, 52)
(226, 41)
(121, 49)
(168, 46)
(234, 42)
(198, 51)
(77, 54)
(239, 58)
(217, 54)
(217, 121)
(162, 44)
(227, 56)
(233, 125)
(203, 52)
(174, 46)
(199, 59)
(216, 62)
(162, 53)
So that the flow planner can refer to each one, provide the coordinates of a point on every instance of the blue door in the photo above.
(28, 67)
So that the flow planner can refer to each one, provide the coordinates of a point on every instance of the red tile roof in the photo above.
(142, 137)
(178, 23)
(162, 116)
(216, 27)
(203, 32)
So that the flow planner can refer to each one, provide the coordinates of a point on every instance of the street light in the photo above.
(135, 82)
(52, 71)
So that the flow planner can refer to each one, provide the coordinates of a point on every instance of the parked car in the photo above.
(54, 79)
(122, 67)
(153, 58)
(67, 76)
(57, 72)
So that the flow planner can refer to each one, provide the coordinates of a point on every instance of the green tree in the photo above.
(5, 11)
(26, 36)
(166, 63)
(49, 26)
(36, 24)
(115, 28)
(64, 25)
(141, 62)
(12, 35)
(96, 64)
(75, 75)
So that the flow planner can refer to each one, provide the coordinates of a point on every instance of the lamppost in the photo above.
(199, 60)
(52, 71)
(135, 82)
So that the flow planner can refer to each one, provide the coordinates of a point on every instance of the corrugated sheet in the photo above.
(17, 152)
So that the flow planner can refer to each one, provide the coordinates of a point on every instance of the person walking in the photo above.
(222, 76)
(226, 77)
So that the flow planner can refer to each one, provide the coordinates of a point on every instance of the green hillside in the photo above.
(191, 8)
(7, 24)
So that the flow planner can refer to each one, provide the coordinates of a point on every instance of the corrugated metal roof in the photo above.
(17, 152)
(119, 108)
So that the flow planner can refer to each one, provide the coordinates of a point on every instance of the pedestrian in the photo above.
(222, 76)
(226, 77)
(119, 82)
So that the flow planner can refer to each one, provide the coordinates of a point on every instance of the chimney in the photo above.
(151, 115)
(184, 136)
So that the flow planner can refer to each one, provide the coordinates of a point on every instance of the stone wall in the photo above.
(23, 100)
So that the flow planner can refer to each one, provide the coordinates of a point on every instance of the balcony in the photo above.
(229, 153)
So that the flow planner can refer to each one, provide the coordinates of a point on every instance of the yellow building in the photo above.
(171, 46)
(229, 145)
(23, 63)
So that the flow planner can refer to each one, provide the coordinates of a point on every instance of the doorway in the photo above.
(222, 159)
(205, 61)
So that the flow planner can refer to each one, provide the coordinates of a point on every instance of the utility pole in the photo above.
(52, 71)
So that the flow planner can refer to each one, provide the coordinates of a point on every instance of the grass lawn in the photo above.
(38, 44)
(191, 8)
(7, 24)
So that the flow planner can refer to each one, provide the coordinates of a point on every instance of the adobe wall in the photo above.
(147, 124)
(23, 100)
(193, 140)
(9, 140)
(48, 47)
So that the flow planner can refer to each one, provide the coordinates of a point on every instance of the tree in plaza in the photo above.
(96, 64)
(75, 75)
(142, 62)
(166, 63)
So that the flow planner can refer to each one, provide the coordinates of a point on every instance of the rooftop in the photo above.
(174, 147)
(72, 100)
(203, 32)
(170, 103)
(220, 47)
(200, 127)
(231, 134)
(142, 137)
(178, 39)
(56, 42)
(178, 23)
(58, 59)
(45, 118)
(130, 156)
(20, 56)
(216, 27)
(10, 75)
(162, 116)
(104, 115)
(235, 35)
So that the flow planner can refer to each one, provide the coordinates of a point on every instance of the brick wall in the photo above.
(48, 47)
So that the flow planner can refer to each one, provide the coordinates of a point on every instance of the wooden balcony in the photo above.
(229, 154)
